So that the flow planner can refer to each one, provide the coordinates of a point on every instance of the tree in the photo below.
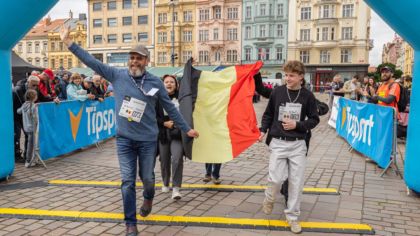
(377, 74)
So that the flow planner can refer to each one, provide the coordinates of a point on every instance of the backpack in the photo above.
(321, 107)
(404, 97)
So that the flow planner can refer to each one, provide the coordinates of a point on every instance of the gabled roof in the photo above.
(44, 26)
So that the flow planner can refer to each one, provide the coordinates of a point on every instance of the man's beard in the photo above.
(137, 72)
(385, 78)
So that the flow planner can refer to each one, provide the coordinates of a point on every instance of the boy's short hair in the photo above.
(294, 67)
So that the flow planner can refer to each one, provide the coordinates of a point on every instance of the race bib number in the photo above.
(132, 109)
(290, 111)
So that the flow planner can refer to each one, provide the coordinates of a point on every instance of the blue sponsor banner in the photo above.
(71, 125)
(368, 128)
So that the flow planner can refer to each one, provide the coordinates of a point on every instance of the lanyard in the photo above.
(141, 85)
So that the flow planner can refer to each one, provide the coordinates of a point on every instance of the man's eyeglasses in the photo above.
(138, 58)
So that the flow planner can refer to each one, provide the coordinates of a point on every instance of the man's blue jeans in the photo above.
(129, 151)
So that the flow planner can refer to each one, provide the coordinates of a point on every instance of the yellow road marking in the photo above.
(271, 224)
(186, 186)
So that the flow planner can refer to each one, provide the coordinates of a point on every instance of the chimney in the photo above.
(82, 16)
(71, 14)
(48, 21)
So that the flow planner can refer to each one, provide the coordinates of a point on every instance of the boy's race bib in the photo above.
(290, 111)
(132, 109)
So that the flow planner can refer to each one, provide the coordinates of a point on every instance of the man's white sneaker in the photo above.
(295, 226)
(267, 206)
(176, 195)
(165, 189)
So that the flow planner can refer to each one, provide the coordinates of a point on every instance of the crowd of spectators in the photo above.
(51, 87)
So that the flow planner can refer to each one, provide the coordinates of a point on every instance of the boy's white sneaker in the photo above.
(176, 195)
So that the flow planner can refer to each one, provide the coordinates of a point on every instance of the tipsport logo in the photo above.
(360, 129)
(97, 121)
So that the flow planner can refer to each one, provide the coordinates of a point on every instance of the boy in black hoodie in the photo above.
(290, 113)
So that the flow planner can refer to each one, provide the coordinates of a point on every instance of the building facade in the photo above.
(178, 17)
(391, 51)
(330, 37)
(60, 58)
(218, 32)
(409, 59)
(264, 35)
(115, 26)
(34, 46)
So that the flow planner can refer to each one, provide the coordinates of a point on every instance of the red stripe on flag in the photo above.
(241, 118)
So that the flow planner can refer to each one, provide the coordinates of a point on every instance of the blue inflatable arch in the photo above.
(403, 16)
(17, 19)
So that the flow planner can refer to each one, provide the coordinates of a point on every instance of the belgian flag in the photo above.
(219, 106)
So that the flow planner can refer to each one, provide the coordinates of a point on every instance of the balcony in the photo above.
(326, 21)
(216, 43)
(325, 44)
(304, 44)
(266, 62)
(321, 2)
(258, 19)
(347, 43)
(264, 40)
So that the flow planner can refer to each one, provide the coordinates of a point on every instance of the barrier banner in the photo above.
(71, 125)
(368, 128)
(334, 112)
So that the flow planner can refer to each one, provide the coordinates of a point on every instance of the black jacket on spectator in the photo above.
(97, 91)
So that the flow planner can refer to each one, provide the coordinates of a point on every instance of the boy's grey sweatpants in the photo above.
(171, 157)
(287, 160)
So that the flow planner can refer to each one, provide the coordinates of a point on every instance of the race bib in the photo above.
(132, 109)
(290, 111)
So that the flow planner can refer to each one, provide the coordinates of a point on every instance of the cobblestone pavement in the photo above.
(365, 196)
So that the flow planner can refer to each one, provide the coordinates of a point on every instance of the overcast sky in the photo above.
(380, 31)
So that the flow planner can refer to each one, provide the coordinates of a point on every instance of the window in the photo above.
(262, 9)
(203, 56)
(267, 54)
(69, 63)
(305, 35)
(324, 57)
(97, 6)
(142, 20)
(204, 14)
(280, 30)
(203, 35)
(45, 63)
(304, 56)
(332, 33)
(112, 38)
(248, 12)
(279, 54)
(52, 46)
(127, 38)
(97, 23)
(260, 54)
(232, 55)
(345, 55)
(217, 11)
(61, 62)
(127, 20)
(162, 37)
(186, 55)
(61, 46)
(216, 34)
(217, 56)
(112, 22)
(326, 11)
(161, 57)
(37, 48)
(247, 32)
(20, 47)
(232, 34)
(280, 10)
(126, 4)
(187, 16)
(233, 13)
(162, 18)
(97, 39)
(262, 30)
(347, 33)
(317, 34)
(112, 5)
(29, 47)
(324, 33)
(305, 13)
(187, 36)
(30, 60)
(142, 3)
(175, 17)
(247, 54)
(44, 46)
(348, 10)
(37, 61)
(52, 63)
(142, 37)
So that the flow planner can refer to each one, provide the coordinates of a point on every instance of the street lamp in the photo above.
(173, 55)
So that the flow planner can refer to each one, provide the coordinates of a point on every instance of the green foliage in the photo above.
(377, 74)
